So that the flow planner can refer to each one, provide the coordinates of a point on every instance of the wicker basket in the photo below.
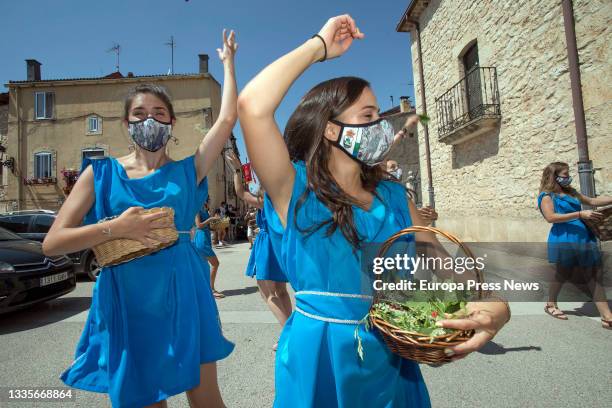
(220, 224)
(602, 229)
(117, 251)
(415, 346)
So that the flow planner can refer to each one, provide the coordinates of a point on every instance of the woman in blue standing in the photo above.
(326, 197)
(571, 245)
(153, 328)
(263, 265)
(203, 243)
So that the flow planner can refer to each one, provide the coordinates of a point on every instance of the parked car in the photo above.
(27, 276)
(34, 225)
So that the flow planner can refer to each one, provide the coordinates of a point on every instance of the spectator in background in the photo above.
(572, 247)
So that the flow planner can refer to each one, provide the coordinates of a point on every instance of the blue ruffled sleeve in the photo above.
(541, 197)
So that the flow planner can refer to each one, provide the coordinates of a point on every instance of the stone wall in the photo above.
(486, 188)
(406, 153)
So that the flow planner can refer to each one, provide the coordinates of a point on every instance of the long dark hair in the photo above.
(549, 183)
(304, 135)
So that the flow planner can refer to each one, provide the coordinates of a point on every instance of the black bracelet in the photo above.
(324, 47)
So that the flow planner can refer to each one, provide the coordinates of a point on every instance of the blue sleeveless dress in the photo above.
(317, 364)
(570, 243)
(262, 262)
(153, 320)
(202, 239)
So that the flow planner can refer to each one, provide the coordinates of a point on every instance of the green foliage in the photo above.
(424, 119)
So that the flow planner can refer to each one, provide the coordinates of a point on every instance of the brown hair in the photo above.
(304, 135)
(157, 90)
(549, 184)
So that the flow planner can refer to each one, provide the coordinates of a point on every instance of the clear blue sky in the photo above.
(70, 39)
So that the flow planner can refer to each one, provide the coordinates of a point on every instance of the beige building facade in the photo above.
(54, 124)
(498, 92)
(3, 156)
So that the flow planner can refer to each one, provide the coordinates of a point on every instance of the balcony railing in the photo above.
(472, 104)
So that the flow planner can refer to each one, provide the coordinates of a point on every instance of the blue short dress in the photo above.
(570, 243)
(152, 320)
(317, 364)
(202, 239)
(263, 264)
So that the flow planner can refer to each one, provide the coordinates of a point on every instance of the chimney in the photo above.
(404, 104)
(33, 69)
(203, 63)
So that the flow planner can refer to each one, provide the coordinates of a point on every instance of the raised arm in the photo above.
(235, 165)
(262, 96)
(212, 144)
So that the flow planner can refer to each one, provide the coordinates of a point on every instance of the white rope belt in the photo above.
(332, 294)
(347, 295)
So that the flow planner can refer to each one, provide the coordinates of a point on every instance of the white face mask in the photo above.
(367, 143)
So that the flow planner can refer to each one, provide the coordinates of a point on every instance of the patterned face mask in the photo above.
(563, 181)
(367, 143)
(150, 134)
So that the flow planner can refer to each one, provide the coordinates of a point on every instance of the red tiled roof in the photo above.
(114, 75)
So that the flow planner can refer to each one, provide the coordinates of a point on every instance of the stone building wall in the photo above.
(486, 188)
(406, 153)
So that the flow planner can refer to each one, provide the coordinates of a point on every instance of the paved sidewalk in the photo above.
(536, 361)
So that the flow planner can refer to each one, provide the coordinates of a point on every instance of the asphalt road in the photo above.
(536, 361)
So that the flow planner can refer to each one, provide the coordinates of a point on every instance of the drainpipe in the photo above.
(585, 166)
(20, 156)
(430, 187)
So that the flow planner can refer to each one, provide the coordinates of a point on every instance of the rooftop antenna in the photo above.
(116, 48)
(391, 100)
(171, 44)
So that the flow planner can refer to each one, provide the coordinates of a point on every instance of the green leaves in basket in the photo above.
(421, 317)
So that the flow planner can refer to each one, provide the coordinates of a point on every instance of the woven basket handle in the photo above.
(420, 228)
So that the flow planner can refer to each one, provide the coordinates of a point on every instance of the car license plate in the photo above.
(49, 280)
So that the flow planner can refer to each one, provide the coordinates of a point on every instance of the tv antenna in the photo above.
(116, 48)
(171, 44)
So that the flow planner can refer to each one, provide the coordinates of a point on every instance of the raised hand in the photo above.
(339, 33)
(230, 46)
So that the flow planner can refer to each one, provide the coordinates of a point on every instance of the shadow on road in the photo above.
(587, 309)
(43, 314)
(244, 291)
(492, 348)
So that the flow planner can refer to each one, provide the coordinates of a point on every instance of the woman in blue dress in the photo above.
(325, 199)
(263, 265)
(153, 328)
(203, 243)
(572, 246)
